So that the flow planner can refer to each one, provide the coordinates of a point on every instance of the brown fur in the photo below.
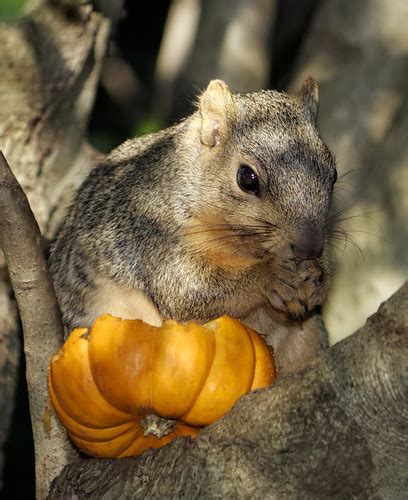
(163, 229)
(199, 235)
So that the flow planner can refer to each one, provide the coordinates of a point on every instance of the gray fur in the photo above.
(127, 222)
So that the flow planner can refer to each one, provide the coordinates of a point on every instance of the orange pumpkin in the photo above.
(104, 381)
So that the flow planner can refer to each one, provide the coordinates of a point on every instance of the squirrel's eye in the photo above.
(247, 179)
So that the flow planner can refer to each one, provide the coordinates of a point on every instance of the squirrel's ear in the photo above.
(310, 97)
(216, 105)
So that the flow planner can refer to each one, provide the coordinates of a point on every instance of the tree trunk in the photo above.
(336, 430)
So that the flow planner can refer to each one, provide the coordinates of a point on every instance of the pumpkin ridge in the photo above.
(198, 392)
(122, 452)
(94, 440)
(123, 417)
(189, 373)
(125, 447)
(129, 416)
(112, 322)
(263, 356)
(53, 394)
(254, 359)
(54, 388)
(118, 452)
(151, 361)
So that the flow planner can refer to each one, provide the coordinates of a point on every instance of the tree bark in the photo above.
(358, 53)
(336, 430)
(20, 240)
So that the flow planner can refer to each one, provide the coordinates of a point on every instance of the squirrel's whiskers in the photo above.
(227, 212)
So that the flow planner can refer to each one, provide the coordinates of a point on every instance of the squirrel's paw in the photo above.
(298, 289)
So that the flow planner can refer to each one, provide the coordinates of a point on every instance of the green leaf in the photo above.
(10, 10)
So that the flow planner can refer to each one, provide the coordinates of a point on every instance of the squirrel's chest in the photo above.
(123, 302)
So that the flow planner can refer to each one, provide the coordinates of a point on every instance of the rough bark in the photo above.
(336, 430)
(231, 43)
(57, 56)
(20, 240)
(358, 52)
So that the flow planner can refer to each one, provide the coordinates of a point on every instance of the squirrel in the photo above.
(225, 212)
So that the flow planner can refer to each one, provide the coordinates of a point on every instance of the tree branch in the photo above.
(337, 429)
(20, 241)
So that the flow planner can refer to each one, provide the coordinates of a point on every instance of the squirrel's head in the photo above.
(267, 179)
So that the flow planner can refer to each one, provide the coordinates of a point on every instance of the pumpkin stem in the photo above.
(156, 426)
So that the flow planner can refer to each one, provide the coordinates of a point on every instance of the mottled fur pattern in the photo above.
(161, 228)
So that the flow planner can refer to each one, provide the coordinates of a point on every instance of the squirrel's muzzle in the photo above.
(308, 241)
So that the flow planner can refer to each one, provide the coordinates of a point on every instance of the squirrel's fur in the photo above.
(161, 228)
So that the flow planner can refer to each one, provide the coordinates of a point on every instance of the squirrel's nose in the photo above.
(308, 243)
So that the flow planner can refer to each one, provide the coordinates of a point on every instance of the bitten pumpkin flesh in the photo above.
(102, 382)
